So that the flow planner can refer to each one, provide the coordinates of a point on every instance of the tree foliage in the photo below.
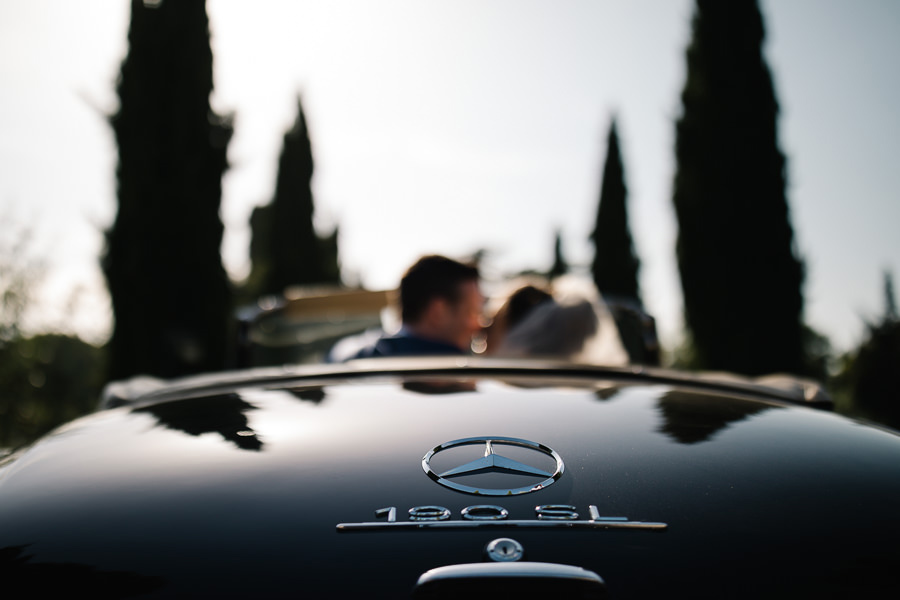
(615, 265)
(740, 276)
(170, 294)
(870, 374)
(20, 272)
(285, 249)
(45, 379)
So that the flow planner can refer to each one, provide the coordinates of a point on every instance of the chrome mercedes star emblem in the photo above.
(492, 462)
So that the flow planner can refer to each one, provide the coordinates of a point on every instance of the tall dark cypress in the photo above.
(615, 265)
(890, 299)
(740, 276)
(560, 264)
(285, 249)
(170, 294)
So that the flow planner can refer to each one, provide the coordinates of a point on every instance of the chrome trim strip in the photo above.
(503, 524)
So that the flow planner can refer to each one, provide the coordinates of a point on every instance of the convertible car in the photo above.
(455, 478)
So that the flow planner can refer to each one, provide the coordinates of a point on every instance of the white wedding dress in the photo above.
(576, 325)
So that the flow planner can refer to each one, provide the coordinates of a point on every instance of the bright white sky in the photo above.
(451, 126)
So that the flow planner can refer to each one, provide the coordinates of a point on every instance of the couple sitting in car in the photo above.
(443, 311)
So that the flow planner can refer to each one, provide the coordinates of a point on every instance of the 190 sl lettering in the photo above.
(478, 512)
(546, 516)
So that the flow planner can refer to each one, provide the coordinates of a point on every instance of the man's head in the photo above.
(440, 300)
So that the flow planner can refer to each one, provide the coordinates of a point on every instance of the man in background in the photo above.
(441, 310)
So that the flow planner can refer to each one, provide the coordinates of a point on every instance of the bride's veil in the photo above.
(575, 324)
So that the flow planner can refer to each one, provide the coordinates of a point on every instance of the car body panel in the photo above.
(237, 486)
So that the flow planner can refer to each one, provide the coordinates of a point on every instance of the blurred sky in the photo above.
(453, 126)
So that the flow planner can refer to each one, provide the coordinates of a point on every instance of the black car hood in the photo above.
(269, 486)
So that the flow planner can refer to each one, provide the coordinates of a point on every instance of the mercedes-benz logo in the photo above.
(492, 462)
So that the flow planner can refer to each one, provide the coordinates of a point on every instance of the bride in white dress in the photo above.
(566, 318)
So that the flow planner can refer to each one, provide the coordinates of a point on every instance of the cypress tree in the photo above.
(560, 264)
(890, 300)
(740, 276)
(285, 249)
(615, 265)
(170, 294)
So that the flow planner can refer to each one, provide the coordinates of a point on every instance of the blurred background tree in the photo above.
(740, 275)
(285, 249)
(560, 265)
(20, 272)
(615, 265)
(869, 376)
(170, 294)
(45, 379)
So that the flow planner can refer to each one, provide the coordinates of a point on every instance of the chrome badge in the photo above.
(492, 462)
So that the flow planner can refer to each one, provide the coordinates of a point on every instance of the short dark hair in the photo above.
(432, 277)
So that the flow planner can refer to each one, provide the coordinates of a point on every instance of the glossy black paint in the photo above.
(233, 486)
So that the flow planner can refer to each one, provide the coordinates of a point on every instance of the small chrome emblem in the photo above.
(492, 462)
(504, 550)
